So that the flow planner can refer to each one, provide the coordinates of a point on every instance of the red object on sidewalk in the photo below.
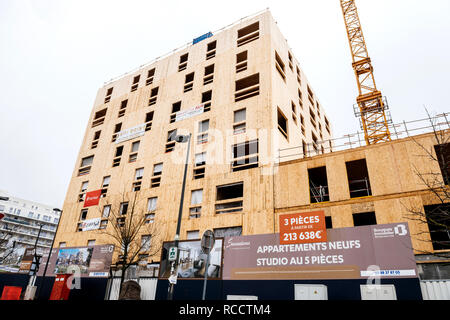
(11, 293)
(61, 289)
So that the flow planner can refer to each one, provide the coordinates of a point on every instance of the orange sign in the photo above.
(92, 198)
(307, 227)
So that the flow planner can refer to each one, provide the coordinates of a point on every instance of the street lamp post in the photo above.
(49, 254)
(29, 294)
(180, 139)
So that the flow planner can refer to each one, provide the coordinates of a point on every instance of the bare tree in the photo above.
(436, 218)
(131, 232)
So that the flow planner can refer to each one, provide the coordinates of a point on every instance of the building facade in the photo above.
(242, 97)
(20, 228)
(240, 93)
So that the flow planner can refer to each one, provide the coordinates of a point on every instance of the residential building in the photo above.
(21, 223)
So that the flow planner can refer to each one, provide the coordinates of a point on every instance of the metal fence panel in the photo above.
(435, 290)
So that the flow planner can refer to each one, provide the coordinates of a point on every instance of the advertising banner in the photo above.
(304, 227)
(91, 224)
(27, 260)
(191, 260)
(186, 114)
(349, 253)
(13, 260)
(130, 133)
(93, 261)
(92, 198)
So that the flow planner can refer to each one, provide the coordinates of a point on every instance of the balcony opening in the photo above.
(94, 143)
(123, 108)
(99, 118)
(157, 172)
(108, 95)
(282, 124)
(85, 166)
(245, 156)
(148, 120)
(170, 144)
(299, 77)
(206, 100)
(364, 219)
(328, 222)
(241, 61)
(358, 178)
(189, 82)
(150, 77)
(247, 87)
(135, 84)
(183, 62)
(438, 225)
(443, 158)
(318, 185)
(209, 74)
(239, 121)
(279, 65)
(175, 108)
(211, 50)
(230, 191)
(153, 96)
(248, 34)
(117, 156)
(229, 198)
(200, 165)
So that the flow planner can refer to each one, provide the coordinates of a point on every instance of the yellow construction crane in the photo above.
(371, 105)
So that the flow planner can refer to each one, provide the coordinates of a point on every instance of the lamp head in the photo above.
(181, 138)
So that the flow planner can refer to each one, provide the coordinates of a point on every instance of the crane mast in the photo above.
(371, 105)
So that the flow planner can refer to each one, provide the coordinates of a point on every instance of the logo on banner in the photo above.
(92, 198)
(400, 230)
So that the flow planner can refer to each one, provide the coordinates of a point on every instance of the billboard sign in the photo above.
(91, 224)
(92, 198)
(349, 253)
(27, 260)
(186, 114)
(305, 227)
(92, 261)
(191, 260)
(131, 133)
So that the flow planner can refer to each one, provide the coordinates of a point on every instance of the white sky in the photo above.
(55, 54)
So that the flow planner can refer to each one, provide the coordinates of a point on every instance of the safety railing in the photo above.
(398, 131)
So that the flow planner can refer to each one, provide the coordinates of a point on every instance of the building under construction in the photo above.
(261, 146)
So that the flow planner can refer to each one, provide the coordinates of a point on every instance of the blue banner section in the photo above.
(202, 37)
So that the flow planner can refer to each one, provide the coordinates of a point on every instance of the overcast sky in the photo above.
(55, 54)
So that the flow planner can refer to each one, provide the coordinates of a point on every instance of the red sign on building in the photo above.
(307, 227)
(92, 198)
